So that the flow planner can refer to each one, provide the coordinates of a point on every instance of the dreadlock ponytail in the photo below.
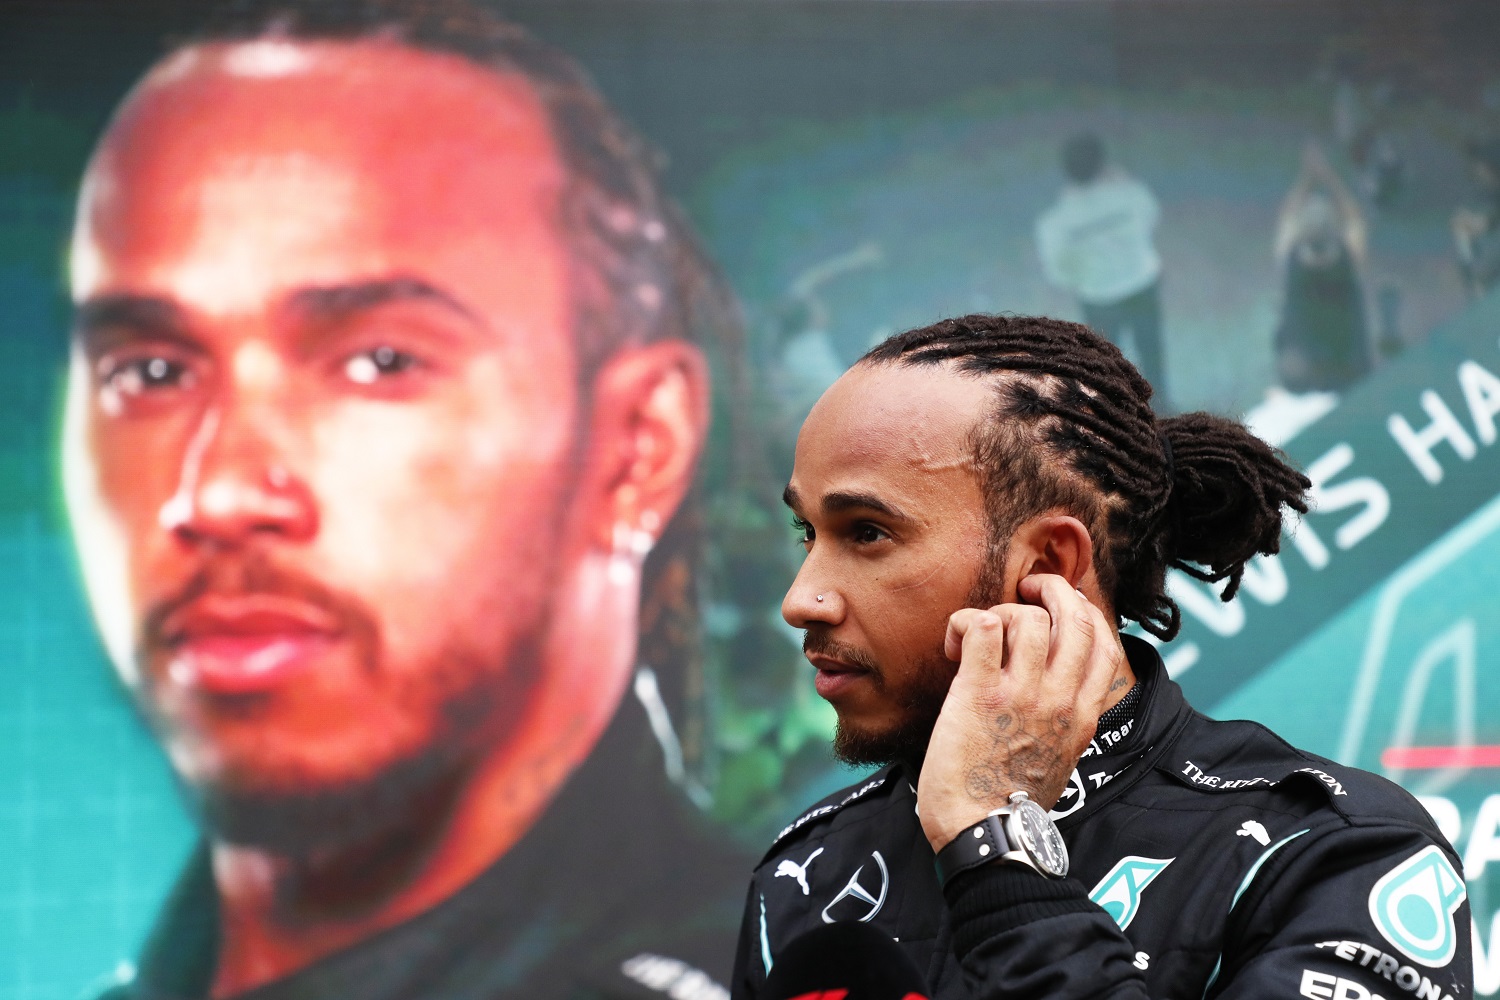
(1224, 506)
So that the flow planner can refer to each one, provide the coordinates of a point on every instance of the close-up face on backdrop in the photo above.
(323, 422)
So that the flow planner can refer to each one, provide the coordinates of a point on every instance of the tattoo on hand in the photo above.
(1119, 683)
(979, 782)
(1030, 761)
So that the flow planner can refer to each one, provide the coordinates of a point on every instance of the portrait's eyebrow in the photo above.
(127, 313)
(790, 498)
(338, 301)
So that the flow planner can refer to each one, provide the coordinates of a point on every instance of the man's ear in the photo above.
(648, 423)
(1052, 543)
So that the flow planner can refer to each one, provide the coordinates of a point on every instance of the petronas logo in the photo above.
(1413, 906)
(1119, 892)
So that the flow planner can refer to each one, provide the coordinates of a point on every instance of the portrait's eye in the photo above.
(369, 367)
(139, 375)
(866, 533)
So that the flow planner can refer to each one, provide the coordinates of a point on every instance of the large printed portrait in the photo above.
(387, 388)
(403, 390)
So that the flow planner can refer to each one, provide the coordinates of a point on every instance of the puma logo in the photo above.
(799, 872)
(1250, 828)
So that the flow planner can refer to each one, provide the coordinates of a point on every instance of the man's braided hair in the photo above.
(1072, 429)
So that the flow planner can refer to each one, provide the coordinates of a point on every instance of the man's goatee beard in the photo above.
(907, 742)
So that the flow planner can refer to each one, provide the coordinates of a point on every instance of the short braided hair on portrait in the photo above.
(1072, 429)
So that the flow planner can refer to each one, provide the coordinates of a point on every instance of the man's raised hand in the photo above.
(1032, 681)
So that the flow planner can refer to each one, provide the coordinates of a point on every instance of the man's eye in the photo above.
(368, 367)
(141, 375)
(804, 530)
(865, 533)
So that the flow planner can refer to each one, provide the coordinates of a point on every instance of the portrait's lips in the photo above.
(245, 643)
(835, 676)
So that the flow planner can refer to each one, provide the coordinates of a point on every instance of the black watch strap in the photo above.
(980, 844)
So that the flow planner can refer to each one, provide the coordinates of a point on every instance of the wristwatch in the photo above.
(1021, 832)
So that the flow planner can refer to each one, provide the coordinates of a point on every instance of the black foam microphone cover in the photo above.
(844, 961)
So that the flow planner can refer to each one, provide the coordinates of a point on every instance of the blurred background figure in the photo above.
(807, 359)
(1322, 340)
(1097, 243)
(1360, 125)
(1476, 228)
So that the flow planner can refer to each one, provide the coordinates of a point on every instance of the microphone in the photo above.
(844, 961)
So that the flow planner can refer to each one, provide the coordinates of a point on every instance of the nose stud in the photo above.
(820, 598)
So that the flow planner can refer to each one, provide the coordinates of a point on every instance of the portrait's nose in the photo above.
(235, 484)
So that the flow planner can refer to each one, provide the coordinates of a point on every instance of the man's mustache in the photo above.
(244, 575)
(816, 639)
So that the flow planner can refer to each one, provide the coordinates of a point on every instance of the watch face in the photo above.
(1040, 839)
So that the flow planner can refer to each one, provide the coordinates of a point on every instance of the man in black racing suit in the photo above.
(1208, 859)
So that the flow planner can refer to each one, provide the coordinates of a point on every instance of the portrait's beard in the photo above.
(920, 699)
(311, 815)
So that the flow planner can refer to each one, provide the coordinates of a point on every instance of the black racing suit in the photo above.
(1209, 859)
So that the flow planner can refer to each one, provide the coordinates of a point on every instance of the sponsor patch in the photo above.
(790, 869)
(1072, 798)
(1190, 773)
(1413, 904)
(1119, 892)
(1322, 986)
(1334, 785)
(867, 903)
(1388, 966)
(813, 814)
(1197, 776)
(1250, 828)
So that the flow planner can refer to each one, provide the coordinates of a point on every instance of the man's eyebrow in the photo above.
(840, 501)
(337, 301)
(128, 311)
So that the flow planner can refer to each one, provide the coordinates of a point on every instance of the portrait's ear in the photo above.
(649, 420)
(1052, 543)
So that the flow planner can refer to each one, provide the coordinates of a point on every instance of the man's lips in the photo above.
(240, 644)
(835, 676)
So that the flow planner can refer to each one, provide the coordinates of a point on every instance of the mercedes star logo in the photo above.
(859, 892)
